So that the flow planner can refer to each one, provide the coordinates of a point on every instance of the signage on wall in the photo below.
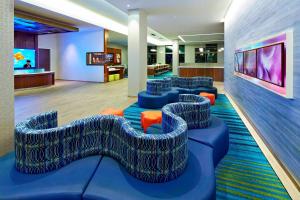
(268, 63)
(97, 58)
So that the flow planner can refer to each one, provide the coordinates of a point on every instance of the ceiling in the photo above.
(167, 19)
(31, 26)
(180, 17)
(22, 6)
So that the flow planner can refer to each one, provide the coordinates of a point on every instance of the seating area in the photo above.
(167, 90)
(146, 165)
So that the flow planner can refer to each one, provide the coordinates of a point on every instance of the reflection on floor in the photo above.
(73, 100)
(244, 173)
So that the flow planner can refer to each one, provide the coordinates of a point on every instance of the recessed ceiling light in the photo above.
(128, 5)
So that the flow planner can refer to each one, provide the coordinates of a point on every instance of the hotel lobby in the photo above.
(127, 99)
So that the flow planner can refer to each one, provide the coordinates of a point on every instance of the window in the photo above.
(152, 55)
(181, 54)
(169, 55)
(207, 54)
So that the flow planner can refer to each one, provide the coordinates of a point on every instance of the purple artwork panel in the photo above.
(250, 63)
(270, 64)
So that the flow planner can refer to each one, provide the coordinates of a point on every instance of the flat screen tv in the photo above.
(270, 64)
(239, 62)
(21, 56)
(250, 63)
(95, 58)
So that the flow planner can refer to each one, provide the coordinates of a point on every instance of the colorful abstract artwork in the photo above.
(269, 64)
(250, 63)
(239, 62)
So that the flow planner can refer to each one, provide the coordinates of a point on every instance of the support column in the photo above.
(6, 76)
(175, 57)
(137, 51)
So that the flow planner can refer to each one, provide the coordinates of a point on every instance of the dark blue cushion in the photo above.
(211, 90)
(216, 136)
(152, 101)
(182, 90)
(173, 96)
(66, 183)
(111, 181)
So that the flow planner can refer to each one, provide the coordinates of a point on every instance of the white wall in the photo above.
(161, 57)
(124, 50)
(50, 41)
(72, 56)
(68, 54)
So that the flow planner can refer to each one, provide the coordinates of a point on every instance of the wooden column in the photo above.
(106, 35)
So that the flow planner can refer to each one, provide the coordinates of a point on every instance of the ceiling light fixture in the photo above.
(181, 38)
(128, 5)
(203, 34)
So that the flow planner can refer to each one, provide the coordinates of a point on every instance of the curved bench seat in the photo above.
(67, 183)
(150, 101)
(215, 136)
(41, 146)
(111, 181)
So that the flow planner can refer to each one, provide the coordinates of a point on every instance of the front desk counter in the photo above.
(28, 79)
(217, 73)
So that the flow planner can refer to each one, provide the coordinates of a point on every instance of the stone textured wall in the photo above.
(276, 118)
(6, 76)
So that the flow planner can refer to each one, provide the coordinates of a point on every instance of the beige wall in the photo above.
(6, 76)
(161, 51)
(190, 56)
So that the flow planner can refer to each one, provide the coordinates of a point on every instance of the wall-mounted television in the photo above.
(270, 64)
(21, 56)
(239, 62)
(250, 63)
(95, 58)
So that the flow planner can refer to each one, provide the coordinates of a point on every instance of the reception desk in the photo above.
(217, 73)
(33, 78)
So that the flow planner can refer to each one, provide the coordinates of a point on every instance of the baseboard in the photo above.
(288, 181)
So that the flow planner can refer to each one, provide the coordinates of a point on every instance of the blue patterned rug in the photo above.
(244, 173)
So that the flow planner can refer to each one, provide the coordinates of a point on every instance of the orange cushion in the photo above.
(113, 111)
(150, 117)
(211, 97)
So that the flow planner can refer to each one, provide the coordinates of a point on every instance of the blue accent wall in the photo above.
(276, 118)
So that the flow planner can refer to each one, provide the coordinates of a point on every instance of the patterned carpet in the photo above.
(244, 173)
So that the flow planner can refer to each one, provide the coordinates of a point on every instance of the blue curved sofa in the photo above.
(80, 151)
(41, 146)
(167, 90)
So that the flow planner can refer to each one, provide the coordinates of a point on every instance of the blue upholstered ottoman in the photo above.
(67, 183)
(111, 181)
(152, 101)
(216, 136)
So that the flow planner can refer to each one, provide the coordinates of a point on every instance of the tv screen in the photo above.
(270, 64)
(239, 62)
(21, 56)
(95, 58)
(250, 63)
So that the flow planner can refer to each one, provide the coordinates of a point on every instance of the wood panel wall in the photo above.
(216, 73)
(276, 118)
(44, 59)
(24, 40)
